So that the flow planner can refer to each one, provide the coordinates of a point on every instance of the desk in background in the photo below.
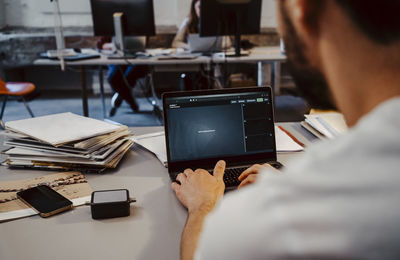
(152, 231)
(260, 56)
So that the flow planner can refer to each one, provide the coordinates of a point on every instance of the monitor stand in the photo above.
(237, 43)
(123, 52)
(238, 52)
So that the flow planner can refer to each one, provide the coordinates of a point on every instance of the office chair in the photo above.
(17, 89)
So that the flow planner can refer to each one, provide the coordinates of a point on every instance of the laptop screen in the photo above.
(204, 127)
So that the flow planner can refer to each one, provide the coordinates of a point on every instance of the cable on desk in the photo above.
(88, 203)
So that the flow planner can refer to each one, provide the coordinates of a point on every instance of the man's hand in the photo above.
(199, 190)
(249, 176)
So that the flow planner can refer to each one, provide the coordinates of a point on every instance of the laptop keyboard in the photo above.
(232, 174)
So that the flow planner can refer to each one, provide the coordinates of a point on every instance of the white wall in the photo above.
(268, 14)
(38, 13)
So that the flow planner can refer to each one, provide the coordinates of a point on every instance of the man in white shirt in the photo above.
(339, 199)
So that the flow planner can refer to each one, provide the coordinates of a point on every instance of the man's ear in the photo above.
(305, 15)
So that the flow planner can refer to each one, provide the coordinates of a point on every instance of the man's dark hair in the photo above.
(378, 19)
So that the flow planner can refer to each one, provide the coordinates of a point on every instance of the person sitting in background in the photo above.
(122, 79)
(190, 25)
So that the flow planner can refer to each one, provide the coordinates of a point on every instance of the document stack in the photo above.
(65, 142)
(325, 125)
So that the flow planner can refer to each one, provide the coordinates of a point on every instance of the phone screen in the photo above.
(44, 199)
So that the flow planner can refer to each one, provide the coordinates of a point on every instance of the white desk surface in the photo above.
(151, 232)
(266, 54)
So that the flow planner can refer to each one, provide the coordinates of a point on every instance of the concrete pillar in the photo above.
(2, 15)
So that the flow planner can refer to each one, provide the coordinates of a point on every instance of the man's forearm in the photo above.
(191, 233)
(199, 192)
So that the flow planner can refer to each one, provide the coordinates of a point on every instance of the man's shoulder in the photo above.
(356, 173)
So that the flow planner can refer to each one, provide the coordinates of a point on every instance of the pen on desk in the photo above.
(291, 136)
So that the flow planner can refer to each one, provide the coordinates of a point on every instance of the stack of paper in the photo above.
(65, 141)
(325, 125)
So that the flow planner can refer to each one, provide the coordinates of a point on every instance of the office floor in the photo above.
(288, 108)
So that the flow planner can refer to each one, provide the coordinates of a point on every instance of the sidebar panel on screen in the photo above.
(257, 125)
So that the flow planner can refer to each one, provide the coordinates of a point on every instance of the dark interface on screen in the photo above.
(218, 126)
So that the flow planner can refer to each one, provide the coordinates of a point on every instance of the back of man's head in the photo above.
(343, 54)
(378, 19)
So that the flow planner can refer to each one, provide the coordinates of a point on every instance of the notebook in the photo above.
(235, 125)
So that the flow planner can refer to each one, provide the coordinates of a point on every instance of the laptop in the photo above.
(235, 125)
(204, 44)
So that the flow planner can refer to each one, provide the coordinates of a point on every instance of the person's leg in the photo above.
(132, 74)
(119, 84)
(114, 78)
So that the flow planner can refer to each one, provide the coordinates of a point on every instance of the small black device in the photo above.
(45, 200)
(235, 125)
(138, 17)
(110, 204)
(230, 17)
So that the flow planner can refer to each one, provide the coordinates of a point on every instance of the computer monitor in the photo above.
(121, 18)
(138, 17)
(230, 17)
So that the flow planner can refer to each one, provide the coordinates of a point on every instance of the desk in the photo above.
(258, 55)
(151, 232)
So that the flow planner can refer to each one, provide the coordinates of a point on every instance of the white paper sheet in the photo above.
(284, 143)
(155, 143)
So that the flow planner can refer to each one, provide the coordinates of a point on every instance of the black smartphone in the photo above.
(45, 200)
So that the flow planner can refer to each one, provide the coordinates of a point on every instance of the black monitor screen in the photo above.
(219, 126)
(138, 19)
(230, 17)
